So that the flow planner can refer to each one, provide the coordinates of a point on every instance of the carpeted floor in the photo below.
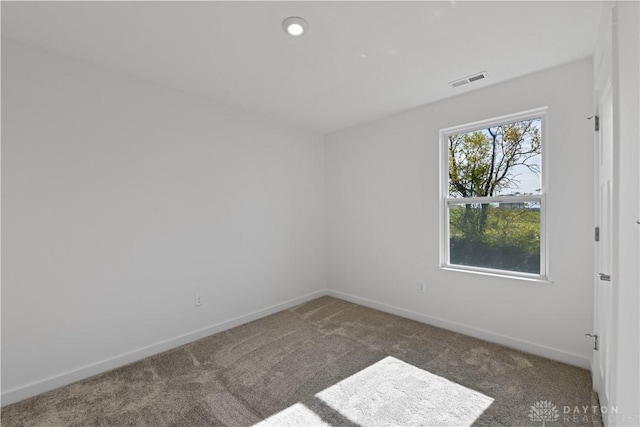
(247, 374)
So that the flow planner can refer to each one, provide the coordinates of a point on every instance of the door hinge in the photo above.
(597, 234)
(596, 122)
(595, 340)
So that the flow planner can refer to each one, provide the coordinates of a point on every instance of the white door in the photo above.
(603, 361)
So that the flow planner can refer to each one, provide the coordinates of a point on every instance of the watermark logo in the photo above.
(543, 411)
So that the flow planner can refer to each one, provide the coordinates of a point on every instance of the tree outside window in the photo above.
(494, 200)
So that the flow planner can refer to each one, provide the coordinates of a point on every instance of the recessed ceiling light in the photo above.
(294, 26)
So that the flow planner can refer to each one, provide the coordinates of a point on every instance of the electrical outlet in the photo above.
(197, 300)
(420, 287)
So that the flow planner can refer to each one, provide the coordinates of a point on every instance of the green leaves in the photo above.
(503, 236)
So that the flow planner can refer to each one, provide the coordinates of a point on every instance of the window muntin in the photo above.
(493, 196)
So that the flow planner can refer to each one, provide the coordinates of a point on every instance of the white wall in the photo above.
(121, 199)
(383, 224)
(626, 268)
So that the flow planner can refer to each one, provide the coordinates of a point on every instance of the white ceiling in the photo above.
(359, 61)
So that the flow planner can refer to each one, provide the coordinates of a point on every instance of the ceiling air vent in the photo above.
(469, 79)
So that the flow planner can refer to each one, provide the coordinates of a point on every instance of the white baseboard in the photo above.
(515, 343)
(35, 388)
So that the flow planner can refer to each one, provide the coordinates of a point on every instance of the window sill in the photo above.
(544, 280)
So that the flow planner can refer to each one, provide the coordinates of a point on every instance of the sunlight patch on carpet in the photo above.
(388, 393)
(295, 415)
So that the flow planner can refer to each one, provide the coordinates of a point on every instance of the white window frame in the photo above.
(445, 200)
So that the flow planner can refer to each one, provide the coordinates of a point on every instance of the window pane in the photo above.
(496, 161)
(503, 236)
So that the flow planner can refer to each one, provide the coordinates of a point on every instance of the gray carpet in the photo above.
(291, 361)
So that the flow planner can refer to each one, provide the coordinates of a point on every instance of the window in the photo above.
(493, 198)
